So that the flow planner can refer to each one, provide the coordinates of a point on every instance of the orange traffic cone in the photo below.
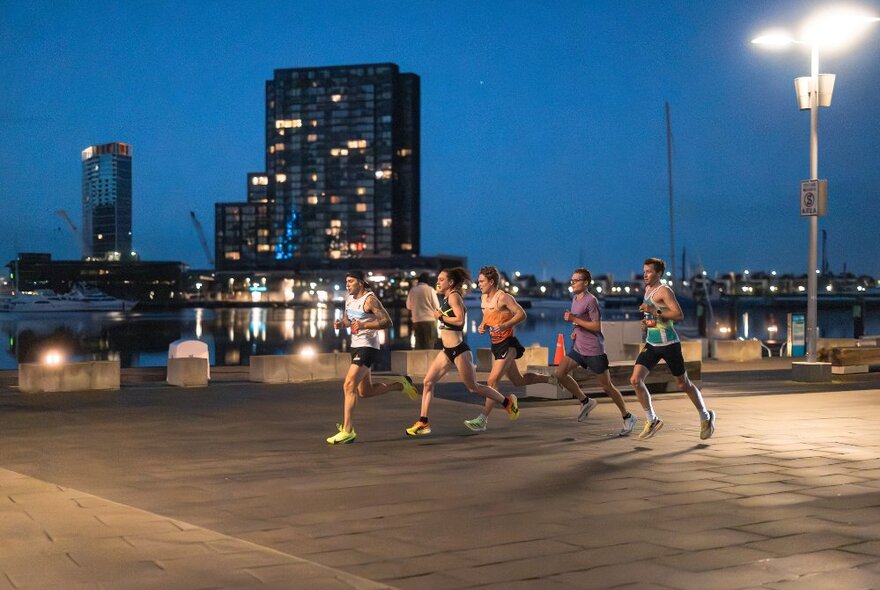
(560, 349)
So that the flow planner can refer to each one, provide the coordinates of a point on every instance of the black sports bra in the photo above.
(448, 312)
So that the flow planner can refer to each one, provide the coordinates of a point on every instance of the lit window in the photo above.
(336, 97)
(334, 152)
(386, 222)
(314, 122)
(281, 178)
(361, 190)
(313, 200)
(314, 178)
(362, 143)
(100, 236)
(288, 123)
(335, 223)
(343, 152)
(334, 200)
(404, 152)
(263, 247)
(271, 149)
(408, 246)
(312, 137)
(233, 256)
(279, 147)
(361, 207)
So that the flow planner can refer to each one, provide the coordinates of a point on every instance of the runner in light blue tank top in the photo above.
(661, 309)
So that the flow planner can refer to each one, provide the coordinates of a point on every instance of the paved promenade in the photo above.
(233, 486)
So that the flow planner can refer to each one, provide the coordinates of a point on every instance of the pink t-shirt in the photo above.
(587, 343)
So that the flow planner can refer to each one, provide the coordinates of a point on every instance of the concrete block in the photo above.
(617, 335)
(412, 362)
(534, 355)
(850, 369)
(343, 362)
(299, 368)
(324, 366)
(187, 372)
(484, 359)
(82, 376)
(692, 350)
(268, 368)
(736, 350)
(189, 348)
(547, 391)
(811, 372)
(830, 343)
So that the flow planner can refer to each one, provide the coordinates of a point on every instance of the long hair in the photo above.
(458, 276)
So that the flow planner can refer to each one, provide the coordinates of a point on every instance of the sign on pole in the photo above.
(814, 197)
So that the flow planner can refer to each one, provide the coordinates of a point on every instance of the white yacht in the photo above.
(80, 298)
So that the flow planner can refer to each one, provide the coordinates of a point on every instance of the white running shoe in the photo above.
(477, 424)
(707, 427)
(628, 425)
(587, 407)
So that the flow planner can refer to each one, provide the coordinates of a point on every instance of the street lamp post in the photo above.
(827, 29)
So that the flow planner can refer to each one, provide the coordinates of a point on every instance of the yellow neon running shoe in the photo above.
(512, 408)
(419, 428)
(408, 388)
(342, 438)
(651, 428)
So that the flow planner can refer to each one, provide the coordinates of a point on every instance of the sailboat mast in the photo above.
(671, 215)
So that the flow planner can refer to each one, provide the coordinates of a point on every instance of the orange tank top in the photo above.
(493, 316)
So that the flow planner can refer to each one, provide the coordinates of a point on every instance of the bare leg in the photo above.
(353, 379)
(692, 392)
(465, 365)
(439, 367)
(640, 373)
(369, 389)
(499, 368)
(564, 378)
(605, 383)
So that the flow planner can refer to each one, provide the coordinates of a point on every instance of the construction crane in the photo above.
(77, 235)
(201, 233)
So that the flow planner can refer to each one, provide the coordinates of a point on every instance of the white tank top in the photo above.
(354, 309)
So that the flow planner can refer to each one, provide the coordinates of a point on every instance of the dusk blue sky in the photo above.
(543, 124)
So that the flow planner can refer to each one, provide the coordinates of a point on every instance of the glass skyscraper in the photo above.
(106, 200)
(342, 171)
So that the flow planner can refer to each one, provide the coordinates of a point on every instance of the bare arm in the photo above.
(382, 320)
(666, 300)
(510, 304)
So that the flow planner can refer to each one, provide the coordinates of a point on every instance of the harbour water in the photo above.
(141, 339)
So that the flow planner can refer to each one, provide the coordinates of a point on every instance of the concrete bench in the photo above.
(659, 380)
(850, 359)
(83, 376)
(297, 368)
(735, 350)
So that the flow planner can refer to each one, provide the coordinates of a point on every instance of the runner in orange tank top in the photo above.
(501, 313)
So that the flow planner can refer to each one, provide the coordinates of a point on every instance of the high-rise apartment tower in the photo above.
(106, 200)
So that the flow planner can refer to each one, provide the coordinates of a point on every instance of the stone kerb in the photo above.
(736, 350)
(82, 376)
(187, 372)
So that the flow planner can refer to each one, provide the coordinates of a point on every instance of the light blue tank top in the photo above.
(664, 332)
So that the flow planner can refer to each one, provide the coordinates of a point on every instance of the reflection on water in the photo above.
(234, 334)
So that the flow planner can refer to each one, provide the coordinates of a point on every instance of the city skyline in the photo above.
(543, 131)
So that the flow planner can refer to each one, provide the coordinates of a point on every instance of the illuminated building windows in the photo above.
(312, 200)
(361, 207)
(312, 137)
(288, 123)
(361, 190)
(336, 97)
(281, 178)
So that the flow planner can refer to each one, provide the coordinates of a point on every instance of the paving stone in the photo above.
(802, 543)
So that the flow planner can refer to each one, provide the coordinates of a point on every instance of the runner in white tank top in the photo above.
(661, 309)
(365, 316)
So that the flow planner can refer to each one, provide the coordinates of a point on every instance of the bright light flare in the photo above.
(836, 28)
(775, 39)
(53, 357)
(308, 351)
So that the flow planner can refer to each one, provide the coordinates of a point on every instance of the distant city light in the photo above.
(543, 289)
(307, 351)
